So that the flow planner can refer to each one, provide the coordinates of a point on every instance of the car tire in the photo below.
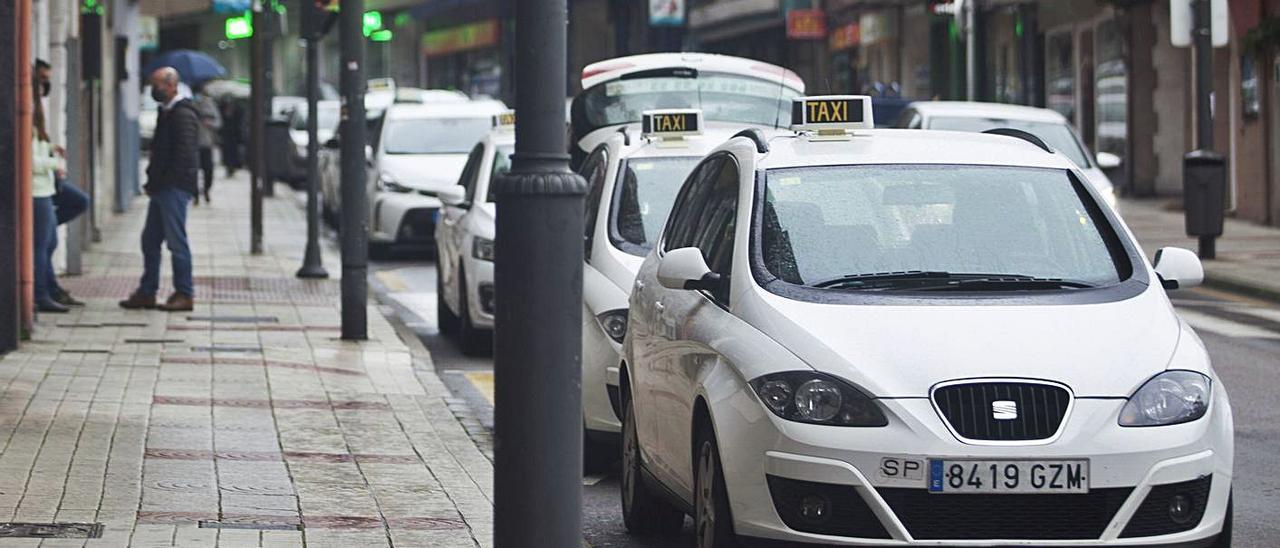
(473, 340)
(643, 512)
(712, 518)
(1224, 538)
(446, 320)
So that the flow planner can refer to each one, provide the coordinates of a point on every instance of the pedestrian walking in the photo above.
(69, 201)
(232, 135)
(171, 183)
(210, 123)
(46, 167)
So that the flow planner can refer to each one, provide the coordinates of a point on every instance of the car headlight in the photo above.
(1172, 397)
(482, 249)
(811, 397)
(388, 183)
(614, 323)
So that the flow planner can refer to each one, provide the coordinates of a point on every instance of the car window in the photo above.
(714, 234)
(469, 172)
(824, 223)
(593, 170)
(1059, 136)
(501, 164)
(434, 135)
(645, 190)
(689, 206)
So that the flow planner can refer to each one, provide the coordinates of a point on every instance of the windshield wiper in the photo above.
(935, 280)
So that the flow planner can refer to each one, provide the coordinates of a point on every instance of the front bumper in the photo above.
(404, 218)
(479, 290)
(772, 456)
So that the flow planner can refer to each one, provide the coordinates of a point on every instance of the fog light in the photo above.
(1181, 509)
(815, 508)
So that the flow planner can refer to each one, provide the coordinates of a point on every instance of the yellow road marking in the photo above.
(483, 381)
(392, 280)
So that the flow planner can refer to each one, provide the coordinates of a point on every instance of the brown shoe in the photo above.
(138, 301)
(178, 303)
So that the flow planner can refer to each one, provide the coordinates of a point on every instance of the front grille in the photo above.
(845, 515)
(1011, 517)
(418, 226)
(1037, 411)
(1153, 516)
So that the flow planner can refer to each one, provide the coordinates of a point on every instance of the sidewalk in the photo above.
(1248, 254)
(244, 423)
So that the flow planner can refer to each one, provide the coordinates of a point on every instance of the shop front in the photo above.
(467, 57)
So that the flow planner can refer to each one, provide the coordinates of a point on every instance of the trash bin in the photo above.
(1204, 192)
(277, 149)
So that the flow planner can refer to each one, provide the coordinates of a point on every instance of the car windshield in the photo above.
(1059, 136)
(501, 164)
(722, 97)
(327, 119)
(435, 135)
(825, 224)
(642, 200)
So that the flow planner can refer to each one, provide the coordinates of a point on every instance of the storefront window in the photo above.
(1060, 75)
(1112, 84)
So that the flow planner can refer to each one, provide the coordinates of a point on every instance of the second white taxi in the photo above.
(851, 336)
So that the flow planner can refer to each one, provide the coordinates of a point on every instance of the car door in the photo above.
(688, 312)
(449, 232)
(654, 377)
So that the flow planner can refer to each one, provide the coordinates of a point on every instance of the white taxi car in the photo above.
(632, 179)
(1050, 126)
(853, 336)
(464, 241)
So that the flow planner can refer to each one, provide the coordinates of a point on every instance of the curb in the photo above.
(1241, 286)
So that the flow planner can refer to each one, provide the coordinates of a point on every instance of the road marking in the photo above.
(1269, 314)
(1226, 328)
(1233, 297)
(483, 381)
(392, 280)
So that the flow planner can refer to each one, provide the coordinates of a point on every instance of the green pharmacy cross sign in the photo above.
(372, 21)
(91, 7)
(239, 27)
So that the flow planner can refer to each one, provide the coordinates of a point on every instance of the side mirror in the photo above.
(368, 154)
(1107, 160)
(685, 268)
(1178, 268)
(332, 144)
(455, 196)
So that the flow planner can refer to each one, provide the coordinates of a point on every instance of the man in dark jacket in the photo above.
(171, 182)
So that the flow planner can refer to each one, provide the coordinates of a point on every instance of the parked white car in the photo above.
(632, 177)
(725, 88)
(853, 336)
(1050, 126)
(464, 242)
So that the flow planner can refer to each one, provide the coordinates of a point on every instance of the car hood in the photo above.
(429, 172)
(1102, 350)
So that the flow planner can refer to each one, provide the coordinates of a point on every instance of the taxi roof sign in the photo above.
(505, 120)
(671, 123)
(832, 112)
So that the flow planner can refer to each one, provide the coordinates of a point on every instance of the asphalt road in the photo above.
(1242, 335)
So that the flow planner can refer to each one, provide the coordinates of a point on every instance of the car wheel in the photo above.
(446, 320)
(474, 341)
(712, 521)
(642, 512)
(1224, 538)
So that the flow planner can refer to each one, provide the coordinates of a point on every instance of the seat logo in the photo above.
(1004, 410)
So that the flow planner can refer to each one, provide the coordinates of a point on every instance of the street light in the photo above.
(538, 281)
(312, 266)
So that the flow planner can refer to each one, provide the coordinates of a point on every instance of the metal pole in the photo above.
(1204, 96)
(268, 28)
(537, 355)
(354, 226)
(312, 265)
(9, 278)
(971, 50)
(257, 129)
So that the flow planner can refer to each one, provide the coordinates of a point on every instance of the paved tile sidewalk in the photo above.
(247, 413)
(1248, 254)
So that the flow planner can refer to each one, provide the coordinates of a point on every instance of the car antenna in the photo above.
(782, 88)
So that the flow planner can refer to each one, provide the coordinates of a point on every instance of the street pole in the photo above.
(312, 266)
(257, 128)
(268, 28)
(971, 50)
(1203, 36)
(9, 248)
(354, 225)
(538, 275)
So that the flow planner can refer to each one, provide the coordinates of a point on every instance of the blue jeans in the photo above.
(166, 222)
(44, 240)
(70, 201)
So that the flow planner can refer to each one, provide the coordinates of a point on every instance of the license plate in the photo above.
(1008, 476)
